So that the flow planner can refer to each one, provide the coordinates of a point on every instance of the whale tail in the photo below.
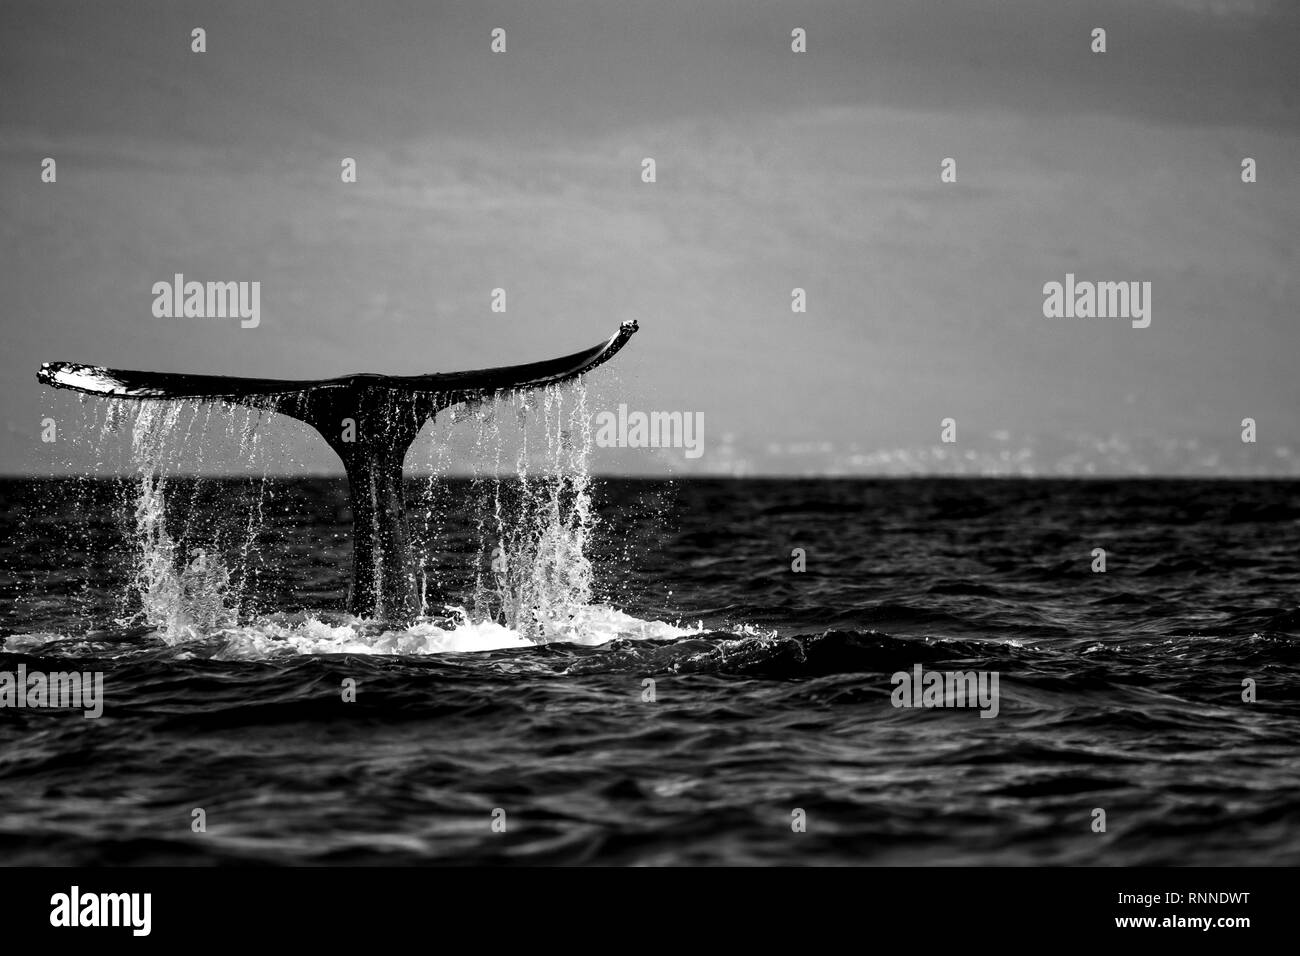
(370, 421)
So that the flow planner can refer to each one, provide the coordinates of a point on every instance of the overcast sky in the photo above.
(775, 169)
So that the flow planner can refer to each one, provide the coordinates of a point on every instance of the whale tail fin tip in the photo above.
(451, 386)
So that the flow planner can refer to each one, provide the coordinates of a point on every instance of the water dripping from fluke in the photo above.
(370, 421)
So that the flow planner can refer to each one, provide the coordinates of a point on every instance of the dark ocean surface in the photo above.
(1119, 690)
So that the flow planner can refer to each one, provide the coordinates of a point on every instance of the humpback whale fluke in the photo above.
(387, 412)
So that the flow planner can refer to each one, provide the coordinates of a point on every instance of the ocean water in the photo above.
(519, 727)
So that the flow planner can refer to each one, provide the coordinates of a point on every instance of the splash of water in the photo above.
(180, 598)
(324, 634)
(196, 563)
(540, 578)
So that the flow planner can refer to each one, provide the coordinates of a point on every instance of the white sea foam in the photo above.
(308, 634)
(592, 625)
